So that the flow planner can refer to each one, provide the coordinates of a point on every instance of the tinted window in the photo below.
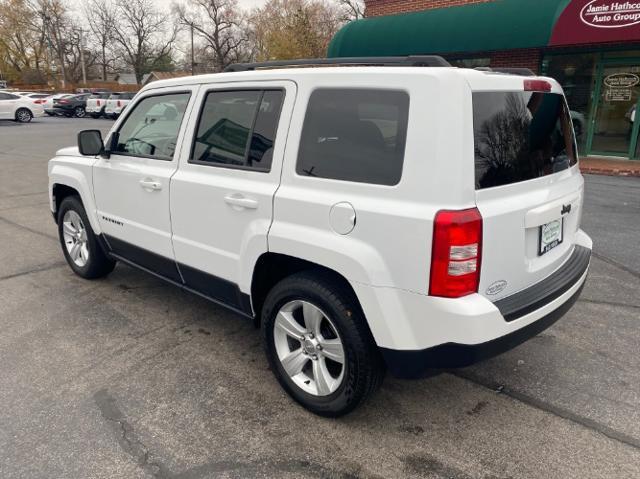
(152, 127)
(7, 96)
(238, 128)
(520, 136)
(354, 135)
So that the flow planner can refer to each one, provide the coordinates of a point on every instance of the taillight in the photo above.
(537, 85)
(456, 253)
(63, 101)
(119, 103)
(39, 102)
(98, 102)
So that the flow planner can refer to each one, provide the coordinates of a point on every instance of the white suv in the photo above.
(368, 217)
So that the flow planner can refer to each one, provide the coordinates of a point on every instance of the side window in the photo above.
(151, 129)
(354, 135)
(237, 128)
(8, 96)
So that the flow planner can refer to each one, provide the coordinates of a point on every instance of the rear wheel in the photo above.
(79, 243)
(318, 344)
(23, 115)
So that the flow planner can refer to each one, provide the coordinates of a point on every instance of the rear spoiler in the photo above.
(524, 72)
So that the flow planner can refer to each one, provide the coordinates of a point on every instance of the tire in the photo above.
(87, 260)
(343, 386)
(79, 112)
(23, 115)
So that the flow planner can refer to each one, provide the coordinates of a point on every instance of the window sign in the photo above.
(618, 94)
(621, 80)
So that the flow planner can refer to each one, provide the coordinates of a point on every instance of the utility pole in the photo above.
(193, 63)
(84, 71)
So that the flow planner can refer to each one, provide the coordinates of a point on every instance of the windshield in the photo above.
(520, 136)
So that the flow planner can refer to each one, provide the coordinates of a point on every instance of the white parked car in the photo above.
(374, 217)
(96, 104)
(116, 104)
(19, 108)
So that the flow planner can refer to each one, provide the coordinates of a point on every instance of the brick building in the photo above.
(592, 47)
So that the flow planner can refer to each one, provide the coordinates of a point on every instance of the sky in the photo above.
(247, 4)
(243, 3)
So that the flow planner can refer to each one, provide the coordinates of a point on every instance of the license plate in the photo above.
(550, 236)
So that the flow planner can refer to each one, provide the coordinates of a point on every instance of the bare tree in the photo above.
(144, 35)
(352, 9)
(52, 15)
(217, 23)
(101, 19)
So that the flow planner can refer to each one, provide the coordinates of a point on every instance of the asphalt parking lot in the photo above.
(130, 377)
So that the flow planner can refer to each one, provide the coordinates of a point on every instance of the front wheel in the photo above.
(79, 112)
(23, 115)
(79, 243)
(318, 344)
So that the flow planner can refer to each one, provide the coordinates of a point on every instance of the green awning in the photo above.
(480, 27)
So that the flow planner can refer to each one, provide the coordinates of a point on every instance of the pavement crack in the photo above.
(609, 303)
(616, 264)
(551, 409)
(31, 230)
(127, 438)
(37, 269)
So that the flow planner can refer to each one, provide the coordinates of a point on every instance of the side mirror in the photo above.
(90, 143)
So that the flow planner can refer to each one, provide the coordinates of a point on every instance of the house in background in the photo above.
(153, 76)
(126, 79)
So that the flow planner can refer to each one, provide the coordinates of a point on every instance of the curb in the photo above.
(610, 172)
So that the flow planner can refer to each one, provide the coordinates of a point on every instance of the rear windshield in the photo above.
(520, 136)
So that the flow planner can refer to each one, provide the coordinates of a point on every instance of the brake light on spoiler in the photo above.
(456, 253)
(537, 85)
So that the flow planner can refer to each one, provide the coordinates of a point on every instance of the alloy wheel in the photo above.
(24, 116)
(309, 348)
(75, 238)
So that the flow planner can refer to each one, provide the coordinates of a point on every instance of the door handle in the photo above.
(241, 201)
(149, 184)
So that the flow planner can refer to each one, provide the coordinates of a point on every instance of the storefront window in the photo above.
(577, 75)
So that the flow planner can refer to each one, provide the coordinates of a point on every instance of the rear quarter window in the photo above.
(354, 135)
(520, 136)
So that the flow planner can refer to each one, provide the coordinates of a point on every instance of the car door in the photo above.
(222, 195)
(131, 187)
(7, 105)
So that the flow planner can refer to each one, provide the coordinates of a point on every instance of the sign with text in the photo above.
(597, 21)
(621, 80)
(618, 94)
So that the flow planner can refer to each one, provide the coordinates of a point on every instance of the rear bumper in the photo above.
(415, 364)
(546, 302)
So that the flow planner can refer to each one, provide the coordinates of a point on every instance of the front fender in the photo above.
(77, 175)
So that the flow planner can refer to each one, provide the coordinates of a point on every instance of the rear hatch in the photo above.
(529, 190)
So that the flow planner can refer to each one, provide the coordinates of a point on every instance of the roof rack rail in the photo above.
(408, 61)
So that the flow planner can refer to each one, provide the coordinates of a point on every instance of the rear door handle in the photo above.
(241, 201)
(149, 184)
